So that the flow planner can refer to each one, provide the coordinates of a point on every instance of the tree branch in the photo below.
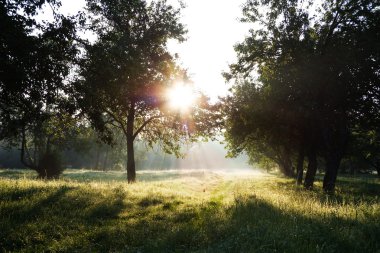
(144, 125)
(333, 25)
(118, 121)
(24, 150)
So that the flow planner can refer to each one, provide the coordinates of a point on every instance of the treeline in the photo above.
(307, 88)
(100, 157)
(85, 151)
(92, 154)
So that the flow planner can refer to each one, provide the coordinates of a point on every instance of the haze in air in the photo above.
(189, 126)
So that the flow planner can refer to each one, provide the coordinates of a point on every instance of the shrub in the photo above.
(50, 166)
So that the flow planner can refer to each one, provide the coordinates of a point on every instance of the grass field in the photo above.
(185, 211)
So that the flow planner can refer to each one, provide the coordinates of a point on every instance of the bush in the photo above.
(50, 166)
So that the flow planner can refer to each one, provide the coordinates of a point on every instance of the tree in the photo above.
(124, 74)
(363, 154)
(249, 125)
(350, 32)
(36, 59)
(275, 123)
(317, 78)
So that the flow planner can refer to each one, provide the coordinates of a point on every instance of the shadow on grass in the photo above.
(19, 194)
(253, 225)
(43, 216)
(85, 219)
(19, 214)
(82, 221)
(25, 213)
(17, 173)
(349, 190)
(359, 187)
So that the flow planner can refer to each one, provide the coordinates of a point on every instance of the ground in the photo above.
(185, 211)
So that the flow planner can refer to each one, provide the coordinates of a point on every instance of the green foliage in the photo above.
(128, 67)
(126, 73)
(36, 60)
(185, 211)
(49, 166)
(303, 82)
(363, 153)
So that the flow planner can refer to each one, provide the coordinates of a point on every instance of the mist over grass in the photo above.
(185, 211)
(201, 155)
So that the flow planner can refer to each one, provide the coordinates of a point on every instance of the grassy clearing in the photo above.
(188, 211)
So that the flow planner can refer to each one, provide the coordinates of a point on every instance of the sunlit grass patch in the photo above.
(189, 211)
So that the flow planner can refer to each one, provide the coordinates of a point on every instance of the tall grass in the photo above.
(188, 211)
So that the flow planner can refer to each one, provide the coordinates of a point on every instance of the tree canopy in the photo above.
(318, 78)
(36, 59)
(125, 74)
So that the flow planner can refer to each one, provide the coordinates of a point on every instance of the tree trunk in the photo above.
(311, 170)
(105, 160)
(48, 145)
(332, 167)
(131, 166)
(301, 158)
(24, 152)
(97, 157)
(336, 143)
(285, 163)
(286, 168)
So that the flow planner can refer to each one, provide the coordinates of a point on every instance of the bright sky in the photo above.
(213, 29)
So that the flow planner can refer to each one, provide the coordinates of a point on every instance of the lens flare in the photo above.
(181, 97)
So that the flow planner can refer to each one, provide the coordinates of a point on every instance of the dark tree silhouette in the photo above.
(35, 61)
(318, 78)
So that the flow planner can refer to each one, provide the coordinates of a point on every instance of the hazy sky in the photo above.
(213, 29)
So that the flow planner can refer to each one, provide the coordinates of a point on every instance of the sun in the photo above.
(181, 96)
